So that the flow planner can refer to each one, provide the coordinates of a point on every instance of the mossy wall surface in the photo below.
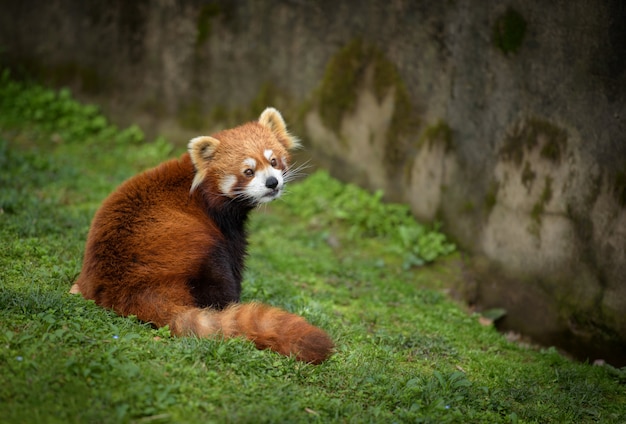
(505, 120)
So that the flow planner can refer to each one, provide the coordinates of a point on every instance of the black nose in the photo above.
(271, 182)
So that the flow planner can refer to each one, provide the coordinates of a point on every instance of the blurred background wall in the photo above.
(503, 119)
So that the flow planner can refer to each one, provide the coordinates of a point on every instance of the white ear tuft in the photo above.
(272, 119)
(201, 149)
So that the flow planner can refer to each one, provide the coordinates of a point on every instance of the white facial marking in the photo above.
(228, 183)
(268, 154)
(250, 163)
(257, 189)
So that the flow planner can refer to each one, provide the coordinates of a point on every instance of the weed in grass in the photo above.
(326, 202)
(330, 252)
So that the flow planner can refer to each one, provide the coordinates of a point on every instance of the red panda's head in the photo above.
(249, 162)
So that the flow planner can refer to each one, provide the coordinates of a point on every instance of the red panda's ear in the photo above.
(201, 150)
(272, 119)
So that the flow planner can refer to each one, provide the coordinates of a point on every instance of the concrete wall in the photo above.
(503, 119)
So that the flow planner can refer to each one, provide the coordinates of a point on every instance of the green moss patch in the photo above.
(345, 76)
(526, 136)
(509, 30)
(207, 14)
(437, 133)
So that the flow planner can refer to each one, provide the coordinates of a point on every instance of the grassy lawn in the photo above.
(362, 270)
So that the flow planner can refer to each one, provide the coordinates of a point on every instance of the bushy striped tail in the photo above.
(268, 327)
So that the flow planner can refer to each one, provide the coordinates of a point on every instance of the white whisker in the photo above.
(296, 172)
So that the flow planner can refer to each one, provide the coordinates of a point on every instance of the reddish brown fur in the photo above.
(175, 258)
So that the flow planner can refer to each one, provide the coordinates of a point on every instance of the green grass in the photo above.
(331, 252)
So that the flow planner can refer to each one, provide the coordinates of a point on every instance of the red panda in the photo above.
(168, 245)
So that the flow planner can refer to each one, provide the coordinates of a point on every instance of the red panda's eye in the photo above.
(248, 172)
(273, 162)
